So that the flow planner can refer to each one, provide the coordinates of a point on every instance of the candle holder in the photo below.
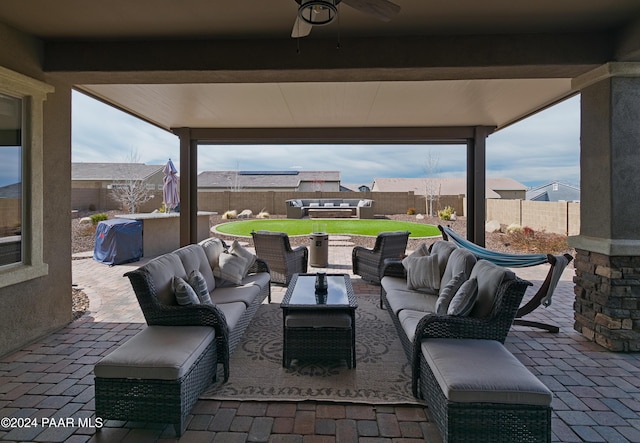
(321, 283)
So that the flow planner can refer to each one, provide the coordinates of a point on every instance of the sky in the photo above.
(543, 148)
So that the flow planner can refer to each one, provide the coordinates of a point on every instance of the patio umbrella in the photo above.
(170, 186)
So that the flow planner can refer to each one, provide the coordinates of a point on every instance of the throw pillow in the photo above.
(237, 249)
(448, 292)
(199, 284)
(423, 273)
(231, 267)
(462, 303)
(421, 251)
(185, 295)
(213, 247)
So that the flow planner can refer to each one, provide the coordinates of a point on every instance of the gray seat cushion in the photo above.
(261, 280)
(482, 371)
(232, 312)
(443, 250)
(193, 257)
(229, 294)
(157, 353)
(489, 276)
(161, 271)
(399, 297)
(409, 320)
(459, 260)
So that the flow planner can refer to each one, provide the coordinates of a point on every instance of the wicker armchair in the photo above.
(275, 249)
(368, 263)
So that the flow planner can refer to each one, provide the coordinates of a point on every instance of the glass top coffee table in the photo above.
(319, 326)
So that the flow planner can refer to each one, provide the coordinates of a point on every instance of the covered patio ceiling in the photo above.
(205, 64)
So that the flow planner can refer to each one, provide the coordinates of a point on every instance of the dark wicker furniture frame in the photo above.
(483, 422)
(156, 401)
(275, 249)
(368, 263)
(495, 326)
(156, 313)
(319, 343)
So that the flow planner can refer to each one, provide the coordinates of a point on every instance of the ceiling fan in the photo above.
(322, 12)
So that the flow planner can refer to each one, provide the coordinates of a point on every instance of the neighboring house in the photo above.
(355, 188)
(298, 181)
(553, 192)
(91, 183)
(506, 188)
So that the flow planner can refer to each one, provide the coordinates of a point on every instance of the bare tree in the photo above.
(128, 190)
(432, 185)
(234, 180)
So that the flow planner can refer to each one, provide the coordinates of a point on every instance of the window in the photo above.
(10, 180)
(21, 221)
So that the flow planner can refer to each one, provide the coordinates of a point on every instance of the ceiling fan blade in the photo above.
(300, 28)
(382, 9)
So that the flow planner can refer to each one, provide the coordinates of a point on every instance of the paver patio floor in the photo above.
(596, 392)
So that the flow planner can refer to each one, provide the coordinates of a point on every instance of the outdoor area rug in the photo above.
(382, 374)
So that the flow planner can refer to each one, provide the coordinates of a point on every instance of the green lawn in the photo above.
(337, 226)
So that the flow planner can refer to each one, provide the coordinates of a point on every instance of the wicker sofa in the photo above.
(347, 207)
(158, 375)
(234, 305)
(452, 354)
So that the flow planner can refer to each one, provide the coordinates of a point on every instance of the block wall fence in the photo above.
(556, 217)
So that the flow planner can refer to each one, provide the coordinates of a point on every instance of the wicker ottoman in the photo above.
(323, 335)
(157, 375)
(477, 391)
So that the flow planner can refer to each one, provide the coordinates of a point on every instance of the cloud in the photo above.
(541, 148)
(101, 133)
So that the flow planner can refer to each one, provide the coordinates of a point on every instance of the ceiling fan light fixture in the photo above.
(318, 12)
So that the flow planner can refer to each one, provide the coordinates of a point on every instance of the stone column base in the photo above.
(607, 306)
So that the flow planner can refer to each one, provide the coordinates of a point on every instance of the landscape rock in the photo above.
(85, 221)
(492, 226)
(247, 213)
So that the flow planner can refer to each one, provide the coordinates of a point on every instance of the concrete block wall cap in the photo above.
(606, 246)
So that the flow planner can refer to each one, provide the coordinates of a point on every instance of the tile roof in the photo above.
(263, 179)
(113, 171)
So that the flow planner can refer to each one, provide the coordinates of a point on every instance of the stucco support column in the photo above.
(607, 281)
(188, 187)
(476, 184)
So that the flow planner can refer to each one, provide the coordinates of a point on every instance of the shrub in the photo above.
(537, 242)
(445, 214)
(92, 207)
(411, 211)
(97, 218)
(230, 215)
(513, 228)
(263, 214)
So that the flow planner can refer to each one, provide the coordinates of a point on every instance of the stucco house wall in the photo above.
(35, 307)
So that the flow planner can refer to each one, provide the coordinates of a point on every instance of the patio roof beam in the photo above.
(557, 55)
(364, 135)
(473, 136)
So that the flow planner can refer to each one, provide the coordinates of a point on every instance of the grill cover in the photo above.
(118, 241)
